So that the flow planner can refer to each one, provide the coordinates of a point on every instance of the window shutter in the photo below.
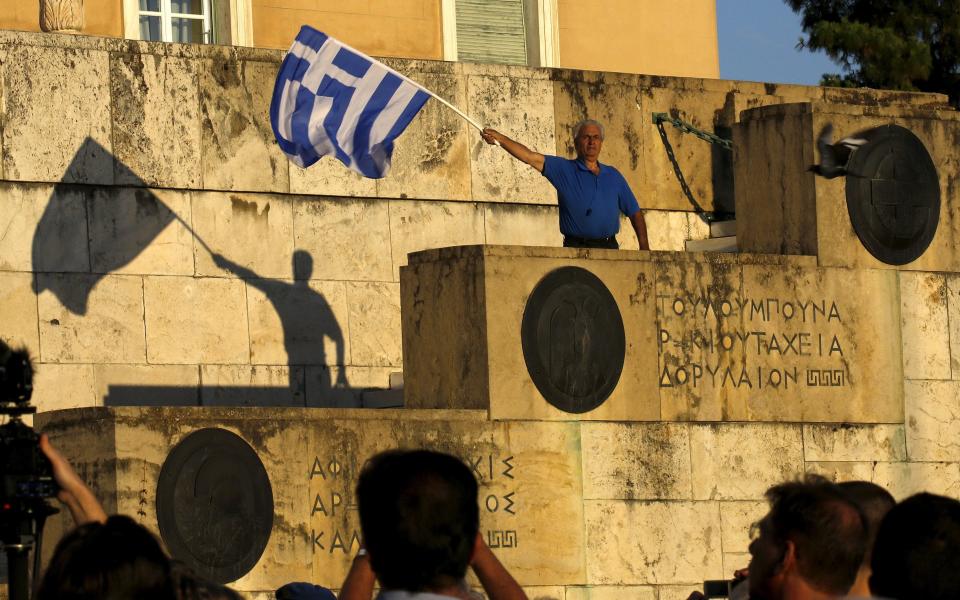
(491, 31)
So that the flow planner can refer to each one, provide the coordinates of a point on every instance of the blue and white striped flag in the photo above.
(331, 99)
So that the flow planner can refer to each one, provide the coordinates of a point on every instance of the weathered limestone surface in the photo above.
(926, 334)
(635, 461)
(347, 239)
(239, 152)
(63, 210)
(195, 320)
(739, 462)
(644, 542)
(420, 225)
(933, 420)
(736, 520)
(855, 442)
(18, 311)
(111, 330)
(156, 123)
(124, 219)
(374, 323)
(41, 137)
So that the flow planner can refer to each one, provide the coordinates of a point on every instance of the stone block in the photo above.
(254, 231)
(423, 225)
(343, 387)
(195, 320)
(347, 239)
(297, 323)
(611, 592)
(43, 228)
(736, 521)
(635, 461)
(523, 110)
(329, 177)
(430, 159)
(932, 420)
(49, 140)
(540, 592)
(255, 385)
(375, 331)
(111, 329)
(521, 225)
(58, 387)
(117, 384)
(637, 543)
(473, 299)
(238, 149)
(18, 311)
(953, 316)
(156, 125)
(138, 231)
(777, 342)
(739, 462)
(905, 479)
(842, 471)
(925, 326)
(735, 561)
(666, 230)
(854, 442)
(678, 592)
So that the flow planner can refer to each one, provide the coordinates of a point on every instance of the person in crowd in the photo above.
(809, 546)
(874, 502)
(420, 522)
(591, 195)
(117, 559)
(74, 493)
(189, 586)
(301, 590)
(916, 555)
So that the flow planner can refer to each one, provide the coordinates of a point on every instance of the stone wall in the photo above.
(116, 146)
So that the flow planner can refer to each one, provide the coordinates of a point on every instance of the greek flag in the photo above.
(331, 99)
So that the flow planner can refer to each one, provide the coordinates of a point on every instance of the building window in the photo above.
(189, 21)
(519, 32)
(183, 21)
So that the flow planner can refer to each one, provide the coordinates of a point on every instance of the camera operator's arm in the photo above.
(81, 502)
(496, 581)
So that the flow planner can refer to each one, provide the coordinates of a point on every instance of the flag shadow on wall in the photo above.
(88, 232)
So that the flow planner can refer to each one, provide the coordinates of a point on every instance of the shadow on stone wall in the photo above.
(88, 232)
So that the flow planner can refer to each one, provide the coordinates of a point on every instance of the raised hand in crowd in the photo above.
(74, 493)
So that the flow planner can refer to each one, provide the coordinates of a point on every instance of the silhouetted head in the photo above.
(813, 533)
(874, 502)
(116, 560)
(917, 552)
(302, 265)
(419, 516)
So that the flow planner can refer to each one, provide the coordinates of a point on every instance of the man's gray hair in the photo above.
(584, 123)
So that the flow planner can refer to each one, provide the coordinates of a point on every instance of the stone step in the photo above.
(382, 398)
(719, 229)
(721, 244)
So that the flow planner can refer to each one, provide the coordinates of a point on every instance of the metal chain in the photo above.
(688, 128)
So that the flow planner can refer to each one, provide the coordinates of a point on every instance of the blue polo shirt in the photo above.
(590, 205)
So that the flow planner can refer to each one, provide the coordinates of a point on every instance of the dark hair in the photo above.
(419, 517)
(917, 553)
(874, 502)
(827, 530)
(116, 560)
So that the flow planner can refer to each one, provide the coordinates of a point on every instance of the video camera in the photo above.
(26, 476)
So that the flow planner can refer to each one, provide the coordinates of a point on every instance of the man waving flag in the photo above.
(332, 100)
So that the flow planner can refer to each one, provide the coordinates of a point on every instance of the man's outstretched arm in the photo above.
(516, 149)
(640, 227)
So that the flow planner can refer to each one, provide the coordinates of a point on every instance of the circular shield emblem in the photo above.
(215, 504)
(893, 194)
(573, 340)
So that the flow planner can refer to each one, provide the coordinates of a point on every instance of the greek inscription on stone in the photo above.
(502, 538)
(770, 341)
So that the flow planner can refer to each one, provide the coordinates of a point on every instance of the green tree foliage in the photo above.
(888, 44)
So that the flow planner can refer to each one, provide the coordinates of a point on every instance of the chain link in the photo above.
(685, 127)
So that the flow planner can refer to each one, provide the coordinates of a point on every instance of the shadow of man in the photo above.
(305, 315)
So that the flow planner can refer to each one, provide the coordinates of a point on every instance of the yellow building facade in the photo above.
(631, 36)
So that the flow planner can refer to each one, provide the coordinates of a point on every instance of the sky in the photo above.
(758, 41)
